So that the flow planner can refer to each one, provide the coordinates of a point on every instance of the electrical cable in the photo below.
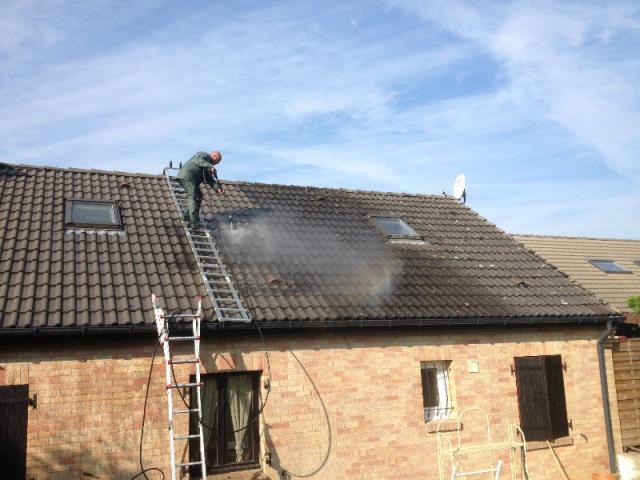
(143, 471)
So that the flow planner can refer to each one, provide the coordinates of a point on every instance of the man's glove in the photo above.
(220, 191)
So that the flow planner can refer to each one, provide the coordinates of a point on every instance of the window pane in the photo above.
(436, 398)
(429, 387)
(228, 407)
(93, 213)
(608, 266)
(394, 226)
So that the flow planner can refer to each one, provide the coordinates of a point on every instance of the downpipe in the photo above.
(604, 385)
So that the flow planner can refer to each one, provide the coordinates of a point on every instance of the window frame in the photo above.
(596, 261)
(394, 237)
(68, 215)
(444, 409)
(194, 446)
(542, 401)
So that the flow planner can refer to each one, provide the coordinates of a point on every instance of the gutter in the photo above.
(320, 324)
(604, 385)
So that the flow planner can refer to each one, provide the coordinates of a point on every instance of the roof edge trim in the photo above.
(321, 324)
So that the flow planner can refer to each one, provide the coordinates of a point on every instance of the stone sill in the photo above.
(247, 474)
(450, 425)
(558, 442)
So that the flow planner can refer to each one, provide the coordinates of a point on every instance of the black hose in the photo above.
(266, 398)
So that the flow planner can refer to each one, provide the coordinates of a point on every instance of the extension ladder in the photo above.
(165, 339)
(227, 307)
(217, 281)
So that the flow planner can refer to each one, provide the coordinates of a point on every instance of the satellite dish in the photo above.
(459, 188)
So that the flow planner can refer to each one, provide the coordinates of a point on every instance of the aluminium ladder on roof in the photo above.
(217, 280)
(227, 308)
(165, 339)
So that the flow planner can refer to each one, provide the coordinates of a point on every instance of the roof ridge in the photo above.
(83, 170)
(345, 190)
(571, 237)
(236, 182)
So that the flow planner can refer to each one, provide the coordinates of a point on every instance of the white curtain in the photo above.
(240, 397)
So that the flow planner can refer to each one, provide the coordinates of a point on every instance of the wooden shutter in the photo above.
(533, 399)
(14, 401)
(541, 399)
(557, 401)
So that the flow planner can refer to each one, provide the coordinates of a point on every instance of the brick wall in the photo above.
(344, 405)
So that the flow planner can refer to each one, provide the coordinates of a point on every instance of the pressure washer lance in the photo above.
(211, 177)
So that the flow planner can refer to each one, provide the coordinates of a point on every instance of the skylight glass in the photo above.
(609, 266)
(394, 227)
(92, 213)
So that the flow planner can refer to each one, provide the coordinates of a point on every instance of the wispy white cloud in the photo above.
(567, 62)
(396, 96)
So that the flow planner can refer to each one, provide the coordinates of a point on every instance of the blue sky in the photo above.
(538, 103)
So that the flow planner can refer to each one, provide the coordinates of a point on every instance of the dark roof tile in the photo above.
(330, 261)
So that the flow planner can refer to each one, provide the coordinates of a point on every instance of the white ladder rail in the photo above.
(218, 283)
(165, 339)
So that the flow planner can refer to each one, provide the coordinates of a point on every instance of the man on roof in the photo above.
(200, 168)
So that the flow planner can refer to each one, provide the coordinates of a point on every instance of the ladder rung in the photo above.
(180, 385)
(184, 315)
(185, 437)
(238, 320)
(222, 290)
(213, 274)
(188, 464)
(179, 362)
(181, 339)
(228, 309)
(190, 410)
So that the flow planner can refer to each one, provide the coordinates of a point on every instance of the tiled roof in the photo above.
(50, 277)
(572, 254)
(296, 254)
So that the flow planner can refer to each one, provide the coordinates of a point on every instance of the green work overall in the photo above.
(190, 176)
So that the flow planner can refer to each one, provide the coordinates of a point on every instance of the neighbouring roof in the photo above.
(572, 255)
(297, 254)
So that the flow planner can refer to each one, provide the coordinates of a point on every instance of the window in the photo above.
(541, 400)
(229, 406)
(396, 230)
(436, 394)
(609, 266)
(101, 214)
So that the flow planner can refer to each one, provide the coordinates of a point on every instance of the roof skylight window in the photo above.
(97, 214)
(609, 266)
(395, 228)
